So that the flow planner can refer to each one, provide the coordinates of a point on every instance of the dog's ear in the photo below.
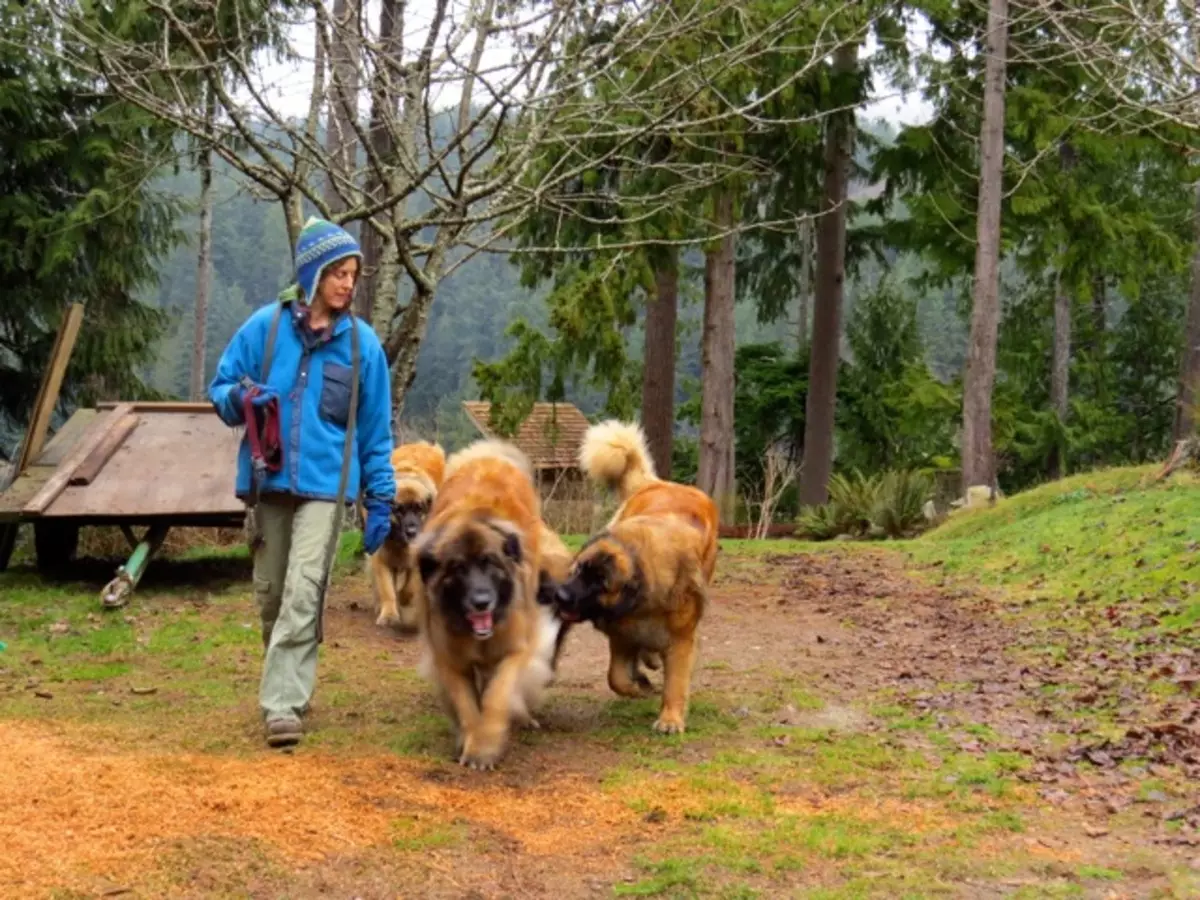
(512, 546)
(428, 564)
(427, 560)
(512, 538)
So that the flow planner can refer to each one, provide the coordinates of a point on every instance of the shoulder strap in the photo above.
(269, 350)
(339, 511)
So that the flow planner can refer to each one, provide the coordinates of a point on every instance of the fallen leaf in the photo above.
(1095, 831)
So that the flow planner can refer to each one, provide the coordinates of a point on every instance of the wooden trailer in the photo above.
(149, 466)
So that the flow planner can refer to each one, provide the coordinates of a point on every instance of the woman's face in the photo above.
(337, 284)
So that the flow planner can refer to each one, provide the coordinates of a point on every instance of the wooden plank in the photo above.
(169, 406)
(173, 465)
(62, 475)
(21, 491)
(65, 438)
(87, 470)
(51, 386)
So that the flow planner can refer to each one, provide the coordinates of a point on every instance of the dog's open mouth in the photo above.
(481, 623)
(568, 615)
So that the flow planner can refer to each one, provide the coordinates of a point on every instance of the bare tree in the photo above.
(779, 471)
(463, 108)
(978, 462)
(203, 264)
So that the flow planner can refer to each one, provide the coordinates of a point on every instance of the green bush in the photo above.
(888, 505)
(900, 502)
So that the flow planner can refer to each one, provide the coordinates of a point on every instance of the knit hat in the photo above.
(321, 244)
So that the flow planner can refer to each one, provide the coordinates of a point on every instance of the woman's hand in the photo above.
(379, 523)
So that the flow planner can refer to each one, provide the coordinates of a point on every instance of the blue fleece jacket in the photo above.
(313, 384)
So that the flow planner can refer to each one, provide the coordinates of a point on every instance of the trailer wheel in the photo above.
(55, 544)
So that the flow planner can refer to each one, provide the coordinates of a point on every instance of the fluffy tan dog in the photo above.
(395, 579)
(643, 581)
(489, 645)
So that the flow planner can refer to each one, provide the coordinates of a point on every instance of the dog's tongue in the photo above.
(481, 621)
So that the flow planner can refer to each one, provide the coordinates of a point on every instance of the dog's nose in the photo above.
(562, 597)
(411, 530)
(481, 599)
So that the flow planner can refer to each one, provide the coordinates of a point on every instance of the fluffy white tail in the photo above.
(615, 455)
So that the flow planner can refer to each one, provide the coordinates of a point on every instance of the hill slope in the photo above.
(1116, 536)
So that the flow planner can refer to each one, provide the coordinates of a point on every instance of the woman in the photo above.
(308, 448)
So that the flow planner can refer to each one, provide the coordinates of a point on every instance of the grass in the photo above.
(737, 807)
(1108, 537)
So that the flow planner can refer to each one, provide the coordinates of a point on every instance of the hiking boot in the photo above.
(284, 731)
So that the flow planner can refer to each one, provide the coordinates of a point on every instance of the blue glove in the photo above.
(379, 524)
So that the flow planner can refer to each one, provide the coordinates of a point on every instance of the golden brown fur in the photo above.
(395, 580)
(614, 454)
(643, 581)
(488, 642)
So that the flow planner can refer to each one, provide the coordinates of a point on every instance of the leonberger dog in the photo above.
(489, 645)
(395, 579)
(643, 580)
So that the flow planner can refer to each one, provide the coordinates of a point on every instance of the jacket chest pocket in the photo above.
(335, 393)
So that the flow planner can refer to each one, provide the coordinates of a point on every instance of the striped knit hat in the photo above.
(321, 244)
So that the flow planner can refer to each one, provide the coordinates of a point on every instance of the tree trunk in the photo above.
(978, 461)
(804, 288)
(407, 340)
(1060, 362)
(658, 365)
(1060, 366)
(340, 141)
(1189, 364)
(821, 403)
(384, 105)
(715, 473)
(203, 263)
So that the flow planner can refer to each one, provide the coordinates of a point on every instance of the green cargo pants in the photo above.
(289, 578)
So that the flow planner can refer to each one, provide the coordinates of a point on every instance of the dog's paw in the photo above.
(480, 754)
(669, 723)
(388, 619)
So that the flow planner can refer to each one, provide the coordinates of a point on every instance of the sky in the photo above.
(288, 85)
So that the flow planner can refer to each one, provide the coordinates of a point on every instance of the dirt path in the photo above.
(854, 730)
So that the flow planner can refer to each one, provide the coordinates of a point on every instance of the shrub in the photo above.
(891, 504)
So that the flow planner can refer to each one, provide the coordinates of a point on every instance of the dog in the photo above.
(643, 580)
(489, 646)
(395, 579)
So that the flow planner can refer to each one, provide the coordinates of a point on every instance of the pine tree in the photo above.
(77, 222)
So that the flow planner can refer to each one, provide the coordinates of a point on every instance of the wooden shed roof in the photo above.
(550, 435)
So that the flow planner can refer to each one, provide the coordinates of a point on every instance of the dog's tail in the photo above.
(489, 449)
(615, 455)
